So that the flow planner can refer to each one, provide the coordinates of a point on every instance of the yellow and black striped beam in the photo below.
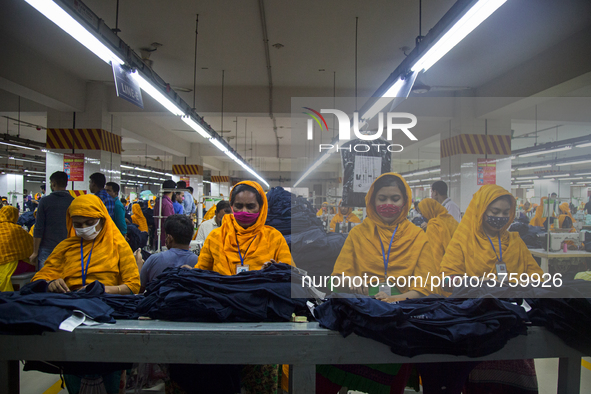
(89, 139)
(476, 144)
(220, 178)
(187, 169)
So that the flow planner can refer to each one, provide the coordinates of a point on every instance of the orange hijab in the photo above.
(362, 252)
(258, 243)
(112, 261)
(440, 229)
(565, 212)
(15, 243)
(470, 250)
(139, 218)
(539, 219)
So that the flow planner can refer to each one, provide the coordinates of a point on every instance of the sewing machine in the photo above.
(557, 237)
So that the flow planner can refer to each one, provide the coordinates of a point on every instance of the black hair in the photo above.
(123, 201)
(60, 178)
(386, 181)
(181, 185)
(222, 206)
(245, 188)
(25, 191)
(42, 187)
(98, 179)
(440, 187)
(180, 228)
(169, 184)
(190, 189)
(114, 186)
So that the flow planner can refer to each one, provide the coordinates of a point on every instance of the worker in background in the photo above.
(588, 207)
(96, 185)
(188, 201)
(167, 210)
(323, 211)
(112, 189)
(179, 231)
(439, 193)
(16, 245)
(138, 218)
(50, 226)
(565, 219)
(480, 246)
(177, 203)
(343, 218)
(222, 208)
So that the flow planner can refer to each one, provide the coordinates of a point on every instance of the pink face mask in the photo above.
(246, 217)
(388, 210)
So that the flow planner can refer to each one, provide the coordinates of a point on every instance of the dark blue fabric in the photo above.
(432, 325)
(279, 212)
(32, 310)
(303, 216)
(196, 295)
(316, 252)
(26, 219)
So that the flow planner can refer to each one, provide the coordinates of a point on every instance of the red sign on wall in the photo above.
(186, 179)
(74, 166)
(486, 172)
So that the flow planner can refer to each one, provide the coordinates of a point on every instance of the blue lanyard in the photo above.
(386, 259)
(85, 272)
(240, 254)
(500, 249)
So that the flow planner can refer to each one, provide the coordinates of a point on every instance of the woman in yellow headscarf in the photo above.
(565, 213)
(243, 242)
(539, 219)
(480, 246)
(209, 214)
(323, 210)
(138, 218)
(15, 245)
(386, 244)
(345, 216)
(107, 256)
(441, 227)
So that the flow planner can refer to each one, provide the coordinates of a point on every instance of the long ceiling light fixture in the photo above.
(60, 17)
(27, 160)
(462, 18)
(543, 152)
(571, 163)
(18, 146)
(533, 167)
(88, 29)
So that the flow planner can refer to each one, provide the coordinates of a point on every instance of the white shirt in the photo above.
(452, 209)
(205, 228)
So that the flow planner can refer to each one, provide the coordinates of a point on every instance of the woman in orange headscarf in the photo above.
(481, 246)
(539, 219)
(107, 256)
(344, 216)
(441, 227)
(138, 218)
(565, 213)
(15, 245)
(243, 242)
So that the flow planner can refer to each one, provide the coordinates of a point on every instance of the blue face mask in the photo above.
(497, 222)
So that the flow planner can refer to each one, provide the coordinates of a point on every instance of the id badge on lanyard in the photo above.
(242, 267)
(500, 266)
(383, 287)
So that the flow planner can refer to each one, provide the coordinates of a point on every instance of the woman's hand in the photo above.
(58, 286)
(268, 264)
(139, 259)
(400, 297)
(187, 267)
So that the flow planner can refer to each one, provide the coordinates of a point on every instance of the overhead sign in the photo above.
(487, 172)
(127, 87)
(74, 166)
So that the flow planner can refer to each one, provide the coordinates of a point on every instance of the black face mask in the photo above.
(497, 222)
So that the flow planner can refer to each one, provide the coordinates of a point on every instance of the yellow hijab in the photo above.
(258, 243)
(362, 252)
(564, 213)
(440, 229)
(112, 262)
(470, 251)
(139, 218)
(15, 243)
(210, 214)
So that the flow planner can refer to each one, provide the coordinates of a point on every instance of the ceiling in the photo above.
(317, 56)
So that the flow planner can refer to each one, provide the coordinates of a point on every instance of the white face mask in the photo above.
(88, 233)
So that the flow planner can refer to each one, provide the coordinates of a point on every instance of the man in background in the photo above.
(188, 202)
(96, 185)
(222, 208)
(112, 189)
(167, 210)
(50, 226)
(439, 193)
(179, 231)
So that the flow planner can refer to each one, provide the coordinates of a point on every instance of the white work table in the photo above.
(302, 345)
(546, 256)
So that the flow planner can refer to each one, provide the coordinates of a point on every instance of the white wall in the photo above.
(12, 183)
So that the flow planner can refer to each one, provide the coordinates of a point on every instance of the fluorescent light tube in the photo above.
(474, 17)
(151, 177)
(43, 176)
(586, 173)
(142, 169)
(218, 145)
(533, 167)
(35, 172)
(555, 176)
(159, 173)
(384, 100)
(167, 174)
(196, 126)
(18, 146)
(543, 152)
(437, 170)
(523, 182)
(60, 17)
(157, 95)
(585, 145)
(419, 173)
(27, 160)
(573, 163)
(123, 166)
(571, 179)
(526, 177)
(414, 181)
